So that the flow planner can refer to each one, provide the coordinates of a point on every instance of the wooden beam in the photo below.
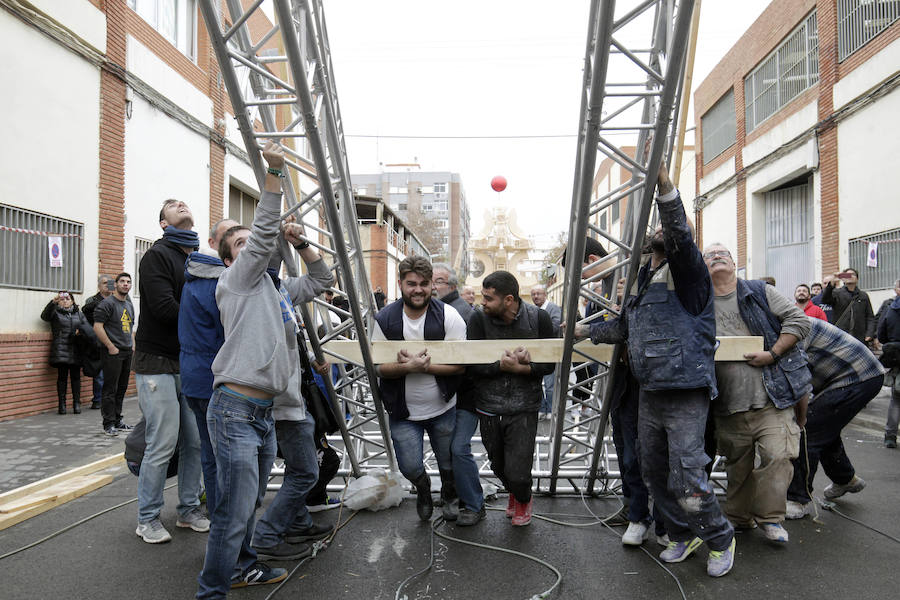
(50, 497)
(473, 352)
(33, 488)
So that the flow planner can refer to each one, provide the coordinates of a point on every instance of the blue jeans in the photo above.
(243, 440)
(97, 388)
(207, 457)
(465, 470)
(624, 422)
(826, 417)
(169, 423)
(409, 436)
(301, 471)
(547, 400)
(671, 427)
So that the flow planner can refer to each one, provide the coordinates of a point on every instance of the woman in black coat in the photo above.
(66, 322)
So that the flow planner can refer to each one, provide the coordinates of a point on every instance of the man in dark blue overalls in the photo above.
(668, 321)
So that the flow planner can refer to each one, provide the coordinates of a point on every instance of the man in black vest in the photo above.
(418, 395)
(509, 391)
(669, 323)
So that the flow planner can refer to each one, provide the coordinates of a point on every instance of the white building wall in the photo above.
(163, 159)
(720, 220)
(867, 75)
(868, 159)
(781, 133)
(719, 175)
(49, 160)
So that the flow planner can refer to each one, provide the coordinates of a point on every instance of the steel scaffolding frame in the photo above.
(647, 45)
(289, 68)
(292, 93)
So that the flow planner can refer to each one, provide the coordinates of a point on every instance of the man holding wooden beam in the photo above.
(669, 323)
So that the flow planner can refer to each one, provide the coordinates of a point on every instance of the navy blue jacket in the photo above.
(789, 379)
(669, 319)
(200, 329)
(393, 391)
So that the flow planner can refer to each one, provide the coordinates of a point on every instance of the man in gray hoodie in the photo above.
(256, 379)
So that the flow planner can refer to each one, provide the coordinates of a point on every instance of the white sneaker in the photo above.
(797, 510)
(775, 532)
(153, 532)
(663, 540)
(635, 534)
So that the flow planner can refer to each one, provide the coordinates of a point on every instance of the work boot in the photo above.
(523, 513)
(76, 407)
(511, 507)
(450, 509)
(424, 505)
(62, 407)
(890, 441)
(836, 490)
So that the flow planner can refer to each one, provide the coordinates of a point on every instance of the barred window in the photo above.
(719, 127)
(141, 246)
(886, 259)
(40, 252)
(783, 75)
(861, 20)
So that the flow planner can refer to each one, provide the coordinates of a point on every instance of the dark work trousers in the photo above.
(828, 414)
(116, 371)
(509, 440)
(624, 421)
(199, 407)
(329, 462)
(64, 373)
(671, 426)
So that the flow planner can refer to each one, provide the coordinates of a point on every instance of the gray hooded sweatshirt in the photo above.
(260, 348)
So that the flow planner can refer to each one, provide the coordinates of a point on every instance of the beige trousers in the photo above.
(758, 446)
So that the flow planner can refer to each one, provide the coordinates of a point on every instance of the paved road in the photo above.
(832, 558)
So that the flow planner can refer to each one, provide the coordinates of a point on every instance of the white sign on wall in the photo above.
(55, 246)
(872, 256)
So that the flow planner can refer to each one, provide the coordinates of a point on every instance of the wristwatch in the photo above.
(302, 245)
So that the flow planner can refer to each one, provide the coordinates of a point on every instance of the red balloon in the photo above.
(498, 183)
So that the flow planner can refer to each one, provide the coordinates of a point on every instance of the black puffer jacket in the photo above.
(64, 323)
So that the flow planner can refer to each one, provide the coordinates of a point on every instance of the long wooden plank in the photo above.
(31, 488)
(61, 493)
(473, 352)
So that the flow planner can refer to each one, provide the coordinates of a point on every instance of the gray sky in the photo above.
(498, 68)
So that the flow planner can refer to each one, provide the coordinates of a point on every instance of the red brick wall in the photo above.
(28, 382)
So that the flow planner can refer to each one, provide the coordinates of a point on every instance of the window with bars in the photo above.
(783, 75)
(859, 21)
(719, 127)
(141, 246)
(885, 256)
(241, 206)
(40, 252)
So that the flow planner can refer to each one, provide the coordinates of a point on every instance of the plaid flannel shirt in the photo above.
(836, 358)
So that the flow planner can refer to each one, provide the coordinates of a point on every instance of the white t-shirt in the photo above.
(423, 396)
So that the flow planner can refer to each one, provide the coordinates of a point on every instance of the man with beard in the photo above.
(802, 298)
(669, 324)
(418, 395)
(509, 391)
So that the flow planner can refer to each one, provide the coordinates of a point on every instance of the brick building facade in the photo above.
(784, 122)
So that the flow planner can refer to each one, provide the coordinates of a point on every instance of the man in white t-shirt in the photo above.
(418, 395)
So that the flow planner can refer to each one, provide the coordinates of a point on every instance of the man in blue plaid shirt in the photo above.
(845, 376)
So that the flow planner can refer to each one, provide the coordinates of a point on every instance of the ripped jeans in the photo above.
(671, 426)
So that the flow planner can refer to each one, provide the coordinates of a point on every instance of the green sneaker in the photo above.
(720, 562)
(678, 551)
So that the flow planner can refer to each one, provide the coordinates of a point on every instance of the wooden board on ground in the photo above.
(49, 497)
(473, 352)
(33, 488)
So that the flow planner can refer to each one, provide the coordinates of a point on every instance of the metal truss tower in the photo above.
(284, 80)
(633, 74)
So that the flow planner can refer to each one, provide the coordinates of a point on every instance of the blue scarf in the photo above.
(182, 237)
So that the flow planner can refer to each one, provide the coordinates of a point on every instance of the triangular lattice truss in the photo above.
(281, 86)
(634, 69)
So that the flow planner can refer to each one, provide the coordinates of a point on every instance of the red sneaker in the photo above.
(511, 507)
(523, 513)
